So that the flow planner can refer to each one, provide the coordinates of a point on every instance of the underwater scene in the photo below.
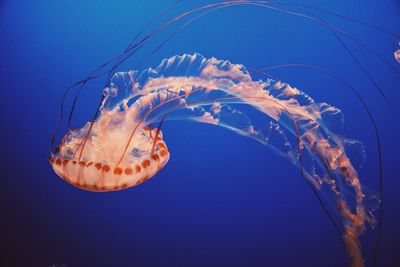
(200, 133)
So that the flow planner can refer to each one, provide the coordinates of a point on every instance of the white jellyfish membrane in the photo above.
(397, 54)
(217, 92)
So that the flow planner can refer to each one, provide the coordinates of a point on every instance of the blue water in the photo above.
(222, 200)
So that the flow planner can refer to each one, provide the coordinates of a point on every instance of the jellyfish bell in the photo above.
(99, 168)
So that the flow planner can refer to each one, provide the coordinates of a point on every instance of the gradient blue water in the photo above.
(222, 200)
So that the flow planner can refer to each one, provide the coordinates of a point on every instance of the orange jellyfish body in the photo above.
(105, 175)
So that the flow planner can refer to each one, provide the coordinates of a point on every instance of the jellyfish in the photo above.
(123, 145)
(120, 149)
(397, 55)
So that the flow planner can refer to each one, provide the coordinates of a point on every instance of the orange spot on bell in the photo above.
(117, 171)
(58, 161)
(98, 165)
(161, 145)
(90, 163)
(156, 157)
(138, 169)
(128, 171)
(146, 163)
(163, 153)
(82, 163)
(106, 168)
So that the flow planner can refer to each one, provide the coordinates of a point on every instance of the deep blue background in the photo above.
(222, 200)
